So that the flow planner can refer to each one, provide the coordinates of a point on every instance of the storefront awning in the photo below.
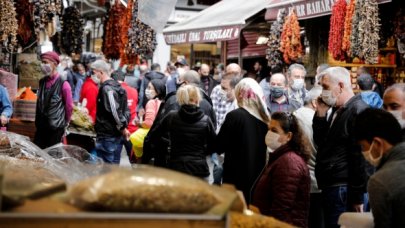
(305, 8)
(222, 21)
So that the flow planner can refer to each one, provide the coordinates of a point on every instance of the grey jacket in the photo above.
(387, 189)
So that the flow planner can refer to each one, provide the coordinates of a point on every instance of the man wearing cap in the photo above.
(112, 115)
(54, 104)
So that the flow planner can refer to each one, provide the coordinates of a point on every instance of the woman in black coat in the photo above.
(191, 134)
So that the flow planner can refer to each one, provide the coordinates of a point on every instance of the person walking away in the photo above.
(112, 115)
(54, 104)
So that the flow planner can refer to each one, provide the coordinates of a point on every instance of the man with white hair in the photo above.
(340, 166)
(296, 81)
(112, 115)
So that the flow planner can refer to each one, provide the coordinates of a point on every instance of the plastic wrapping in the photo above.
(153, 14)
(145, 189)
(244, 220)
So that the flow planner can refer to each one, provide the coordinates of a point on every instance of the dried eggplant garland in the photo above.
(291, 39)
(44, 11)
(348, 27)
(72, 31)
(364, 42)
(112, 44)
(141, 37)
(337, 23)
(8, 24)
(274, 56)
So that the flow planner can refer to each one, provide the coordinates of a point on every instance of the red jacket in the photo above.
(283, 189)
(90, 92)
(132, 96)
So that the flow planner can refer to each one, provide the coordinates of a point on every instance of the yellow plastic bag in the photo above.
(137, 139)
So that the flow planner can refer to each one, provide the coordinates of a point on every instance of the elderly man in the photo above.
(296, 81)
(112, 115)
(233, 68)
(207, 82)
(340, 167)
(54, 104)
(278, 101)
(394, 102)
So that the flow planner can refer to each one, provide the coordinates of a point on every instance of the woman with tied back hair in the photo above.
(191, 134)
(242, 135)
(282, 190)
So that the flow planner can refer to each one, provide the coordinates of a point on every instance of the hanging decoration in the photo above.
(8, 24)
(348, 27)
(337, 24)
(112, 43)
(366, 23)
(101, 2)
(291, 39)
(72, 31)
(45, 13)
(141, 37)
(125, 59)
(274, 55)
(25, 30)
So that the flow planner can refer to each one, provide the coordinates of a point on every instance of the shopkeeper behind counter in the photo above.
(54, 104)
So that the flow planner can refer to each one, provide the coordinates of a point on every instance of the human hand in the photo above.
(126, 134)
(4, 120)
(321, 107)
(141, 112)
(358, 208)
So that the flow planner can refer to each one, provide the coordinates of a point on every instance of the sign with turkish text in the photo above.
(203, 35)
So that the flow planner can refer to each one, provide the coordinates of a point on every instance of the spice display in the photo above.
(364, 42)
(25, 24)
(44, 13)
(348, 27)
(291, 39)
(8, 24)
(255, 221)
(274, 56)
(337, 24)
(141, 37)
(81, 119)
(145, 189)
(72, 31)
(112, 43)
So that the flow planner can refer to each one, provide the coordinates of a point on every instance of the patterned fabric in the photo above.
(221, 105)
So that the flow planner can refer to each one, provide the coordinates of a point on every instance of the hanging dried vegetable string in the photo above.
(274, 56)
(25, 24)
(141, 37)
(8, 24)
(291, 39)
(112, 44)
(348, 27)
(44, 13)
(356, 36)
(72, 31)
(125, 59)
(337, 23)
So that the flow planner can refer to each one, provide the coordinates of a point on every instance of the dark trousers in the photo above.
(46, 137)
(315, 211)
(128, 148)
(334, 203)
(109, 149)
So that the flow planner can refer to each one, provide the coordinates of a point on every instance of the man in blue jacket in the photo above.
(6, 108)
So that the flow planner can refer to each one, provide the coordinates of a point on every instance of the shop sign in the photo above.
(306, 9)
(203, 35)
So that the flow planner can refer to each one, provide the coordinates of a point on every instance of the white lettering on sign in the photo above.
(194, 36)
(309, 9)
(217, 34)
(176, 38)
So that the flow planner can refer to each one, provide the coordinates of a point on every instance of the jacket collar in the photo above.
(397, 153)
(190, 113)
(278, 152)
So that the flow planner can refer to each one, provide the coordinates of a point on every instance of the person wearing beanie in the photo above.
(54, 104)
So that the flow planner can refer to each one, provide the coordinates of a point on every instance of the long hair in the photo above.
(299, 143)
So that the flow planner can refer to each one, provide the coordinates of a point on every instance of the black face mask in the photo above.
(179, 84)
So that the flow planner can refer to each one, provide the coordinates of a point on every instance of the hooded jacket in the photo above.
(113, 114)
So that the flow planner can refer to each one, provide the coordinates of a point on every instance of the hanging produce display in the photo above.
(290, 43)
(25, 24)
(364, 42)
(45, 13)
(72, 31)
(141, 37)
(348, 27)
(125, 59)
(274, 55)
(112, 43)
(8, 24)
(337, 23)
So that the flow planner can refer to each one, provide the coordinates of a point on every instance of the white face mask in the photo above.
(272, 141)
(369, 157)
(328, 98)
(46, 69)
(297, 84)
(150, 94)
(398, 115)
(95, 79)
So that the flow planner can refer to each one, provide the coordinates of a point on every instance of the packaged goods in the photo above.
(240, 220)
(144, 189)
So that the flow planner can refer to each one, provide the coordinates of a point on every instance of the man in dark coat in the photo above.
(207, 82)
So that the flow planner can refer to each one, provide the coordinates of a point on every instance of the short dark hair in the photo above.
(373, 122)
(289, 123)
(365, 81)
(118, 75)
(155, 66)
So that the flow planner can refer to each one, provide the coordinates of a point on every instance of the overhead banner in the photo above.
(203, 35)
(305, 9)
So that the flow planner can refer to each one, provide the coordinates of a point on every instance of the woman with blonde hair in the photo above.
(242, 135)
(191, 134)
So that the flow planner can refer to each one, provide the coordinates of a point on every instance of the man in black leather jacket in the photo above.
(340, 166)
(153, 144)
(112, 116)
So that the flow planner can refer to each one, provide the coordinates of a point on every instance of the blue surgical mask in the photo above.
(276, 92)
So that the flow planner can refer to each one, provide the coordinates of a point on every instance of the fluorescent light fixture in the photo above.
(262, 40)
